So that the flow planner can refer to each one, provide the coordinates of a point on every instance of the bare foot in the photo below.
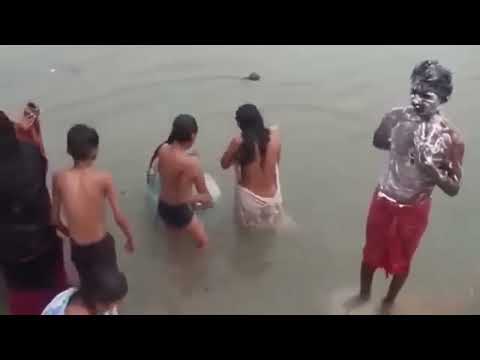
(386, 307)
(356, 301)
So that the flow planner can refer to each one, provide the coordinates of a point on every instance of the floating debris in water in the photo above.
(253, 77)
(71, 69)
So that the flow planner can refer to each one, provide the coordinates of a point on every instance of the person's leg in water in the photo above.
(366, 279)
(411, 225)
(172, 232)
(395, 286)
(196, 230)
(378, 223)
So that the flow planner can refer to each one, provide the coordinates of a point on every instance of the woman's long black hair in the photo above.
(183, 129)
(254, 132)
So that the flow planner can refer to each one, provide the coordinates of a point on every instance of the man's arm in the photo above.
(36, 137)
(120, 219)
(56, 219)
(203, 195)
(228, 157)
(27, 124)
(381, 138)
(449, 180)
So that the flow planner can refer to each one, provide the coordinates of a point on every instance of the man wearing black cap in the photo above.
(424, 152)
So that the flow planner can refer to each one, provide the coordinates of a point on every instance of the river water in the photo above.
(327, 101)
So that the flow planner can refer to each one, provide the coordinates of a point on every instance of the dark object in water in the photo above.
(252, 77)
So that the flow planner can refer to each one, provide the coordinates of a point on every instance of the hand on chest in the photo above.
(421, 142)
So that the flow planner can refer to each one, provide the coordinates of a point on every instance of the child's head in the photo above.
(82, 143)
(104, 291)
(184, 130)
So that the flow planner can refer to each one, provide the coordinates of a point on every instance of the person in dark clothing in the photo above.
(31, 256)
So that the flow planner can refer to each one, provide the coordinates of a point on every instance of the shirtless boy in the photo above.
(82, 193)
(179, 172)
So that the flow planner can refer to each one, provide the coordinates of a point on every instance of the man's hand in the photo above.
(446, 177)
(26, 123)
(435, 173)
(428, 165)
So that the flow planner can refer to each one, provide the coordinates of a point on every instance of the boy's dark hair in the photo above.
(82, 141)
(106, 287)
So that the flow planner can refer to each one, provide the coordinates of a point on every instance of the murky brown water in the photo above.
(327, 101)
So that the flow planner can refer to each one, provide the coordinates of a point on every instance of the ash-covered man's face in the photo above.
(424, 102)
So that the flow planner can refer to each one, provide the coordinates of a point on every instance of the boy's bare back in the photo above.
(83, 193)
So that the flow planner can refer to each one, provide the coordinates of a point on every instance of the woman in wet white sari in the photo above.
(255, 154)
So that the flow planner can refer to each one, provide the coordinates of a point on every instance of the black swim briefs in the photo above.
(177, 216)
(91, 260)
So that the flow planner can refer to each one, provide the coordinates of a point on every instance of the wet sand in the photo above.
(327, 101)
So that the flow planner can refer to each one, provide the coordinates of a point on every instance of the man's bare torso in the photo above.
(82, 194)
(405, 180)
(174, 167)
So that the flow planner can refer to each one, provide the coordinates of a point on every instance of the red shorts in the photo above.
(393, 233)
